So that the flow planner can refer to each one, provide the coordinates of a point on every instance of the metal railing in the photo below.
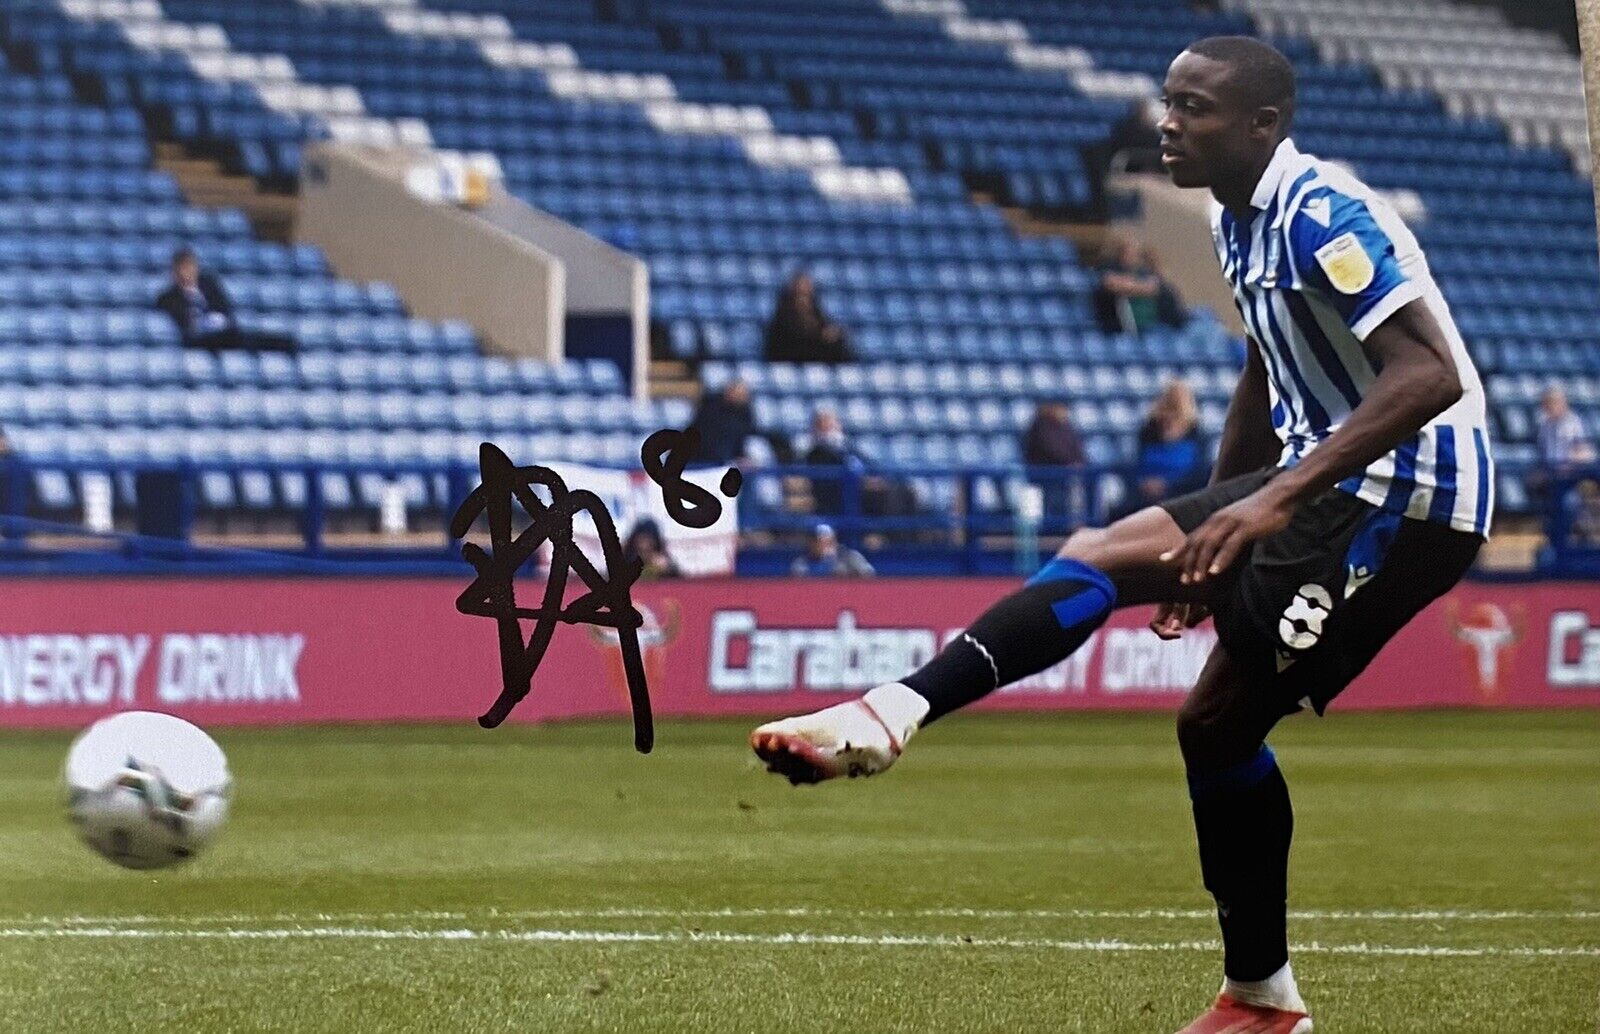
(1571, 502)
(953, 519)
(154, 511)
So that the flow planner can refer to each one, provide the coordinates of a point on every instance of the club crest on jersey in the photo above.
(1347, 264)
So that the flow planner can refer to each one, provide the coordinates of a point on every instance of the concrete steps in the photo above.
(206, 184)
(671, 379)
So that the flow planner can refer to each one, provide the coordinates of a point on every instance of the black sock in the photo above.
(1025, 633)
(1244, 821)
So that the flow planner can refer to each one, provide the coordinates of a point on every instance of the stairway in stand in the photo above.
(672, 379)
(205, 183)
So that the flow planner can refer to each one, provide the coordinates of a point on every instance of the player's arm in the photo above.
(1417, 380)
(1248, 442)
(1343, 255)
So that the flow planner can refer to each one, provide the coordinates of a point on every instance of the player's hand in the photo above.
(1173, 619)
(1212, 547)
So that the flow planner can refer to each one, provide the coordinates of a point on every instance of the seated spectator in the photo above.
(1051, 440)
(799, 332)
(200, 307)
(1134, 145)
(825, 558)
(1172, 455)
(1563, 442)
(1584, 504)
(830, 448)
(725, 421)
(198, 304)
(880, 497)
(1132, 296)
(646, 545)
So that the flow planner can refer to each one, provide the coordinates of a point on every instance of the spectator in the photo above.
(1563, 442)
(1134, 145)
(203, 313)
(830, 448)
(799, 331)
(880, 497)
(725, 421)
(1132, 296)
(1584, 503)
(825, 558)
(198, 305)
(646, 545)
(1172, 455)
(1051, 440)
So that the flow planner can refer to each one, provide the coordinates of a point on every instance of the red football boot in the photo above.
(1230, 1016)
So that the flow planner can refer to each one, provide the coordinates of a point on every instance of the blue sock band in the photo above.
(1092, 603)
(1246, 773)
(1026, 632)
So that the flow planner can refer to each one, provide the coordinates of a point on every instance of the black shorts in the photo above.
(1307, 609)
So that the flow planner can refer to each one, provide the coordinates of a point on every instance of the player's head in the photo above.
(185, 267)
(1229, 101)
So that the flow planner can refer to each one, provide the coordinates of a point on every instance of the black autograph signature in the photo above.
(664, 456)
(492, 594)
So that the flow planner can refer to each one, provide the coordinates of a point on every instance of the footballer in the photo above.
(1353, 485)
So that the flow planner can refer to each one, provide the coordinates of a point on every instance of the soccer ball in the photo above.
(146, 790)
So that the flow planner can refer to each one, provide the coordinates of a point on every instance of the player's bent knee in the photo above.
(1209, 738)
(1134, 540)
(1083, 544)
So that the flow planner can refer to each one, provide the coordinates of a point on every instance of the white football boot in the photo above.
(859, 738)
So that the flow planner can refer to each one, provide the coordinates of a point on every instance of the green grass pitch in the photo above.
(1011, 874)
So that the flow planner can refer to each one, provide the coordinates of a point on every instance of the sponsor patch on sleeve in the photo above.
(1347, 264)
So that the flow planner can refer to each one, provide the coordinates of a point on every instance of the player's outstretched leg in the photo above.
(1039, 625)
(1244, 823)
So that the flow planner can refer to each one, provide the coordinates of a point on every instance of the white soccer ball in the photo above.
(146, 790)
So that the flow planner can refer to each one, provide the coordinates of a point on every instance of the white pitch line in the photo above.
(800, 912)
(886, 940)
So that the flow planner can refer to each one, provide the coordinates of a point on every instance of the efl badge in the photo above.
(655, 635)
(1490, 638)
(1347, 264)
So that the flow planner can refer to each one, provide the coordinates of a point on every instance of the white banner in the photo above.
(630, 495)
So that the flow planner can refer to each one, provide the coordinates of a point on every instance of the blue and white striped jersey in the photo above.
(1322, 262)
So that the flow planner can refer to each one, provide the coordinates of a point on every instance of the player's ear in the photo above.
(1266, 121)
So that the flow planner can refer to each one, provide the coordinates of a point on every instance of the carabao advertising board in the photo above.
(266, 651)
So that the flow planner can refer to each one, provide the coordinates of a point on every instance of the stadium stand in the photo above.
(90, 372)
(728, 147)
